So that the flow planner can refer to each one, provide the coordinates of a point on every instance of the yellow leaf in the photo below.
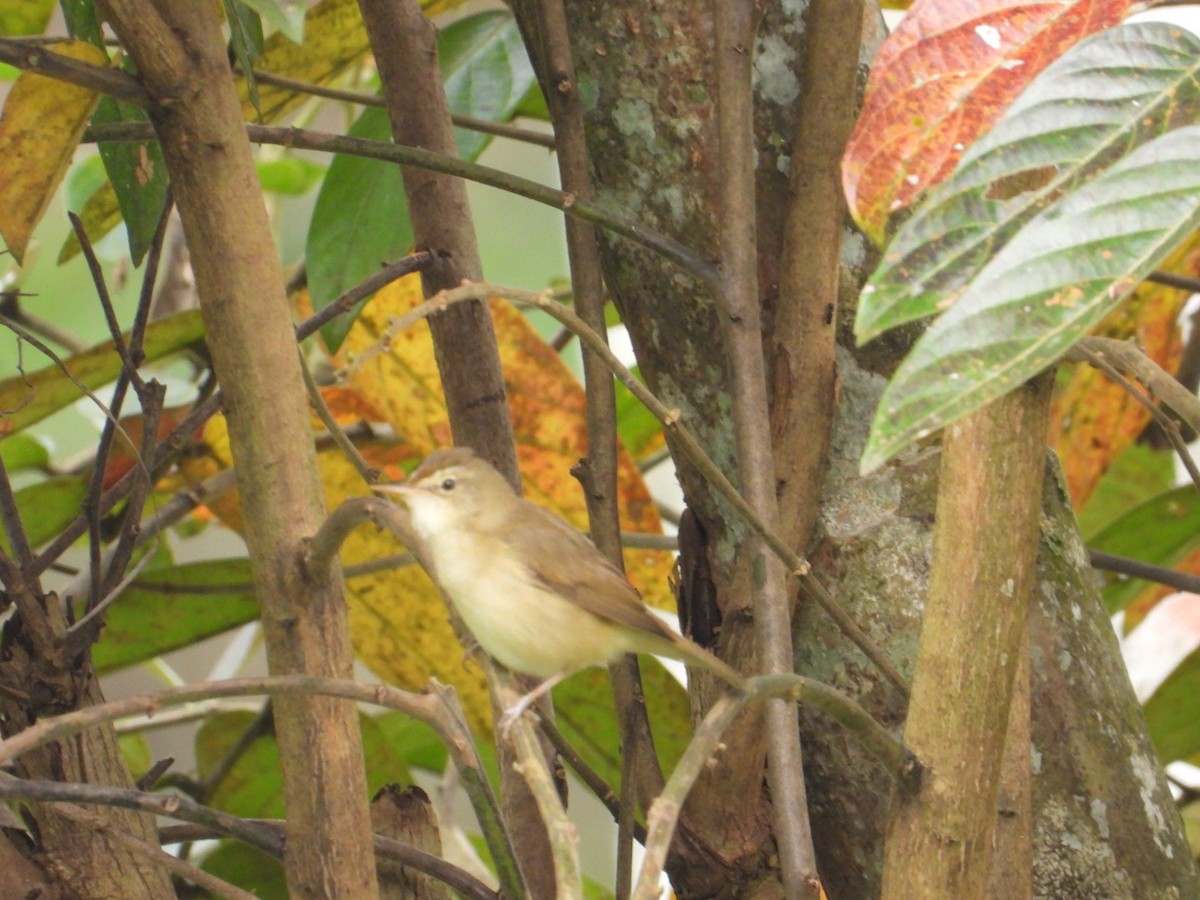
(39, 130)
(334, 38)
(100, 214)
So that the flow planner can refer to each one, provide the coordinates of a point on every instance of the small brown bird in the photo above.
(535, 593)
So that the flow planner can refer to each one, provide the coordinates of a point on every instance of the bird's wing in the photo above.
(555, 553)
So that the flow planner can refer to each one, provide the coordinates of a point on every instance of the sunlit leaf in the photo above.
(23, 451)
(27, 399)
(40, 128)
(1111, 93)
(940, 80)
(290, 175)
(1044, 290)
(21, 17)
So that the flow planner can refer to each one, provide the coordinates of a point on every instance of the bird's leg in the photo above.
(518, 709)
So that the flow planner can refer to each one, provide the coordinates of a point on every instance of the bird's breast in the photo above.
(515, 618)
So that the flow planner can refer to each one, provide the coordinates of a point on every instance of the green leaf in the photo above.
(22, 17)
(487, 73)
(22, 451)
(636, 425)
(253, 785)
(1161, 531)
(85, 178)
(416, 742)
(246, 38)
(46, 508)
(361, 218)
(1137, 474)
(583, 707)
(250, 869)
(1173, 712)
(83, 20)
(1108, 94)
(1043, 291)
(135, 750)
(30, 398)
(175, 607)
(360, 222)
(289, 175)
(286, 15)
(138, 174)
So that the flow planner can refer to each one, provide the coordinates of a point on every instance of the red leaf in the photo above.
(945, 75)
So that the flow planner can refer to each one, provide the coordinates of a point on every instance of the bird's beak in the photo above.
(400, 490)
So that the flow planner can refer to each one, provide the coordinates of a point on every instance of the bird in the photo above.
(536, 594)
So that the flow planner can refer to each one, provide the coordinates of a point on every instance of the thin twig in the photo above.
(531, 764)
(14, 528)
(321, 142)
(174, 805)
(706, 741)
(362, 98)
(739, 307)
(1169, 426)
(1135, 568)
(368, 472)
(641, 775)
(600, 788)
(260, 725)
(439, 708)
(10, 306)
(685, 440)
(44, 61)
(1171, 279)
(208, 407)
(32, 339)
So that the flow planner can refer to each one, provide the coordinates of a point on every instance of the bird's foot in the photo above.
(514, 712)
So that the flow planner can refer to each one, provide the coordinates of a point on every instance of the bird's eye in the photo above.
(448, 484)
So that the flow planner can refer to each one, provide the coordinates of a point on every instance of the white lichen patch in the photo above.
(775, 70)
(1146, 772)
(634, 118)
(854, 248)
(1099, 811)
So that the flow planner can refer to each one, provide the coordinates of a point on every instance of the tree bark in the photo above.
(182, 61)
(939, 841)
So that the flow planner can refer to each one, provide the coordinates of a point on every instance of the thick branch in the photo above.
(939, 841)
(180, 55)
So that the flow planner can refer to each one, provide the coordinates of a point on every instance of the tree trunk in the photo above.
(645, 74)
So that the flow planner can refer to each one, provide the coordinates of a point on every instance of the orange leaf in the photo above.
(124, 455)
(940, 80)
(1093, 419)
(39, 131)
